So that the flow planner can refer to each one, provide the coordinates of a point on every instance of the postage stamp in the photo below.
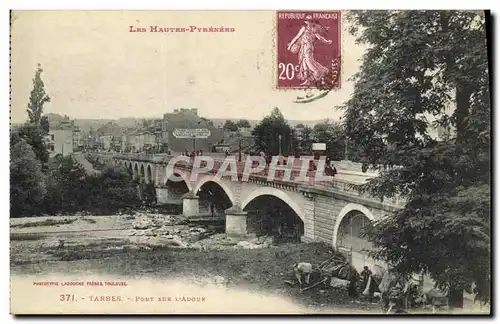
(308, 48)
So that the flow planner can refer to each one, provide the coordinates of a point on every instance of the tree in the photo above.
(305, 138)
(113, 190)
(35, 137)
(229, 125)
(268, 132)
(27, 182)
(208, 121)
(421, 63)
(333, 135)
(38, 97)
(243, 123)
(68, 186)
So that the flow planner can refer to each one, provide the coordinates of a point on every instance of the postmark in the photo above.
(308, 49)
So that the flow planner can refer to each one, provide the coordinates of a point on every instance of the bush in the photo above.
(27, 182)
(111, 191)
(72, 190)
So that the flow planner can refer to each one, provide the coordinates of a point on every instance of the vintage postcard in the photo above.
(250, 162)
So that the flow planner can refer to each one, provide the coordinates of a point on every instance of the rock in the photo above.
(132, 233)
(243, 243)
(149, 232)
(170, 237)
(193, 238)
(142, 222)
(248, 245)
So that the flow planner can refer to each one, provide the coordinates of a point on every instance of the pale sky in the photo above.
(95, 68)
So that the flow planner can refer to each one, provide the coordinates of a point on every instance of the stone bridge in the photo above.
(328, 210)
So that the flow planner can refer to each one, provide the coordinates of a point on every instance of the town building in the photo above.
(64, 137)
(188, 119)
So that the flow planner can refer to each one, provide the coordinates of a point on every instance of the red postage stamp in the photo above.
(308, 49)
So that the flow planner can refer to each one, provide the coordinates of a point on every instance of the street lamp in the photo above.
(194, 143)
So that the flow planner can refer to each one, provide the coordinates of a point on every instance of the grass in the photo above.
(47, 222)
(53, 222)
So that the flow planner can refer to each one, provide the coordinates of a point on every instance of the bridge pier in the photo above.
(190, 205)
(162, 195)
(236, 221)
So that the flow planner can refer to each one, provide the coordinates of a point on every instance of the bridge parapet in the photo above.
(353, 189)
(333, 184)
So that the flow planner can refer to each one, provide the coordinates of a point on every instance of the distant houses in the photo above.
(64, 137)
(150, 136)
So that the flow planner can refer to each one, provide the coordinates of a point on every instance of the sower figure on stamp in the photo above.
(310, 70)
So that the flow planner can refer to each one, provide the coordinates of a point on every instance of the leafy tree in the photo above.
(27, 182)
(37, 127)
(34, 135)
(229, 125)
(268, 132)
(333, 135)
(38, 98)
(243, 123)
(305, 138)
(208, 121)
(68, 186)
(45, 125)
(422, 63)
(113, 190)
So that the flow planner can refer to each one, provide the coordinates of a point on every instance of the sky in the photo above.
(94, 67)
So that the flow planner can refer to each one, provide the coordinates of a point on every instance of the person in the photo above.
(211, 201)
(352, 288)
(303, 43)
(302, 269)
(368, 283)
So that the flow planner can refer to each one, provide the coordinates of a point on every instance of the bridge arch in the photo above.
(219, 182)
(142, 172)
(347, 210)
(136, 170)
(184, 177)
(149, 174)
(267, 191)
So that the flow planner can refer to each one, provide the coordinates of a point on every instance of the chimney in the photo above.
(194, 111)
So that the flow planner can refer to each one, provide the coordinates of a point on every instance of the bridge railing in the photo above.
(333, 183)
